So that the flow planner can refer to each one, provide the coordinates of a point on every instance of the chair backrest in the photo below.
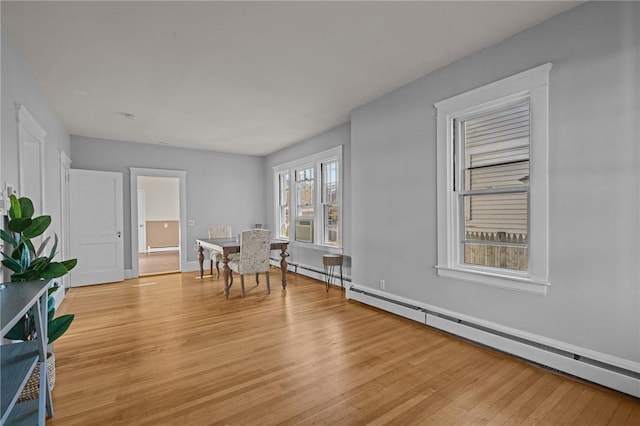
(255, 245)
(220, 231)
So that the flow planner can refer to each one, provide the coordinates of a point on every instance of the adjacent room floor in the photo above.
(161, 262)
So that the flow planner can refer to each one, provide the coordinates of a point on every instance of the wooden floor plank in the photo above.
(171, 349)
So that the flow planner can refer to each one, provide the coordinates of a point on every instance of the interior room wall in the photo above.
(162, 210)
(594, 298)
(221, 188)
(19, 86)
(340, 135)
(162, 197)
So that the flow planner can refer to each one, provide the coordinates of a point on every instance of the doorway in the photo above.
(157, 217)
(158, 225)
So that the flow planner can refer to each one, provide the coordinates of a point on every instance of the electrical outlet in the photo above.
(191, 222)
(382, 285)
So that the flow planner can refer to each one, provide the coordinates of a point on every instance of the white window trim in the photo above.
(276, 201)
(533, 83)
(315, 161)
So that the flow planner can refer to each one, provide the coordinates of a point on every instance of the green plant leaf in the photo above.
(30, 247)
(53, 270)
(15, 333)
(70, 264)
(12, 264)
(8, 238)
(42, 246)
(58, 326)
(39, 264)
(54, 248)
(37, 226)
(51, 308)
(28, 275)
(26, 207)
(25, 258)
(53, 289)
(14, 211)
(19, 225)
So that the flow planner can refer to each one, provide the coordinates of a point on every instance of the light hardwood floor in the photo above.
(171, 350)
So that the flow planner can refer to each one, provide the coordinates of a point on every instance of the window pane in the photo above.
(331, 220)
(284, 222)
(497, 224)
(305, 193)
(498, 256)
(283, 202)
(500, 176)
(489, 215)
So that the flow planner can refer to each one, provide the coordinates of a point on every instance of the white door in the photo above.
(142, 220)
(96, 227)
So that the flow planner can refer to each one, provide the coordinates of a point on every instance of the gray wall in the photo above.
(332, 138)
(20, 86)
(594, 298)
(221, 188)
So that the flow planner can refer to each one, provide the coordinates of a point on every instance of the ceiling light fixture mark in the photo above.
(128, 115)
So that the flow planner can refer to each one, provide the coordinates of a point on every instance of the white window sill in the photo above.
(523, 284)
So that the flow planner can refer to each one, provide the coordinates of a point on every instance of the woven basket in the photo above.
(31, 390)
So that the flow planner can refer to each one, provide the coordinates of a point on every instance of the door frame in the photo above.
(65, 246)
(135, 172)
(141, 234)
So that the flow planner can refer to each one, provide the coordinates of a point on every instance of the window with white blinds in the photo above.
(495, 187)
(492, 170)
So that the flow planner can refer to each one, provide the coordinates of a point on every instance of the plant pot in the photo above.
(31, 390)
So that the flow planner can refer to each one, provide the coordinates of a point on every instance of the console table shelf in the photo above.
(17, 360)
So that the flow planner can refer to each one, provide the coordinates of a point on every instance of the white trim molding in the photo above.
(27, 125)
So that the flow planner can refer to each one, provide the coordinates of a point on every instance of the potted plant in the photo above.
(28, 264)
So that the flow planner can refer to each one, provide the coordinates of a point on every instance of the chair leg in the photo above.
(242, 283)
(217, 269)
(268, 284)
(230, 278)
(257, 278)
(211, 267)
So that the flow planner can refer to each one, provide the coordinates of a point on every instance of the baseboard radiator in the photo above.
(615, 373)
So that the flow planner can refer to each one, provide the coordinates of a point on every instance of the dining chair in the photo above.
(218, 231)
(255, 247)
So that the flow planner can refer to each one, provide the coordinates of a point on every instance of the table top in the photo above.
(230, 243)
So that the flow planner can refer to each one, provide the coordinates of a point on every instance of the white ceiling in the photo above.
(242, 77)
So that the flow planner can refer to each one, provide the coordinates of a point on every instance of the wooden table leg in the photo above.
(226, 270)
(201, 260)
(283, 266)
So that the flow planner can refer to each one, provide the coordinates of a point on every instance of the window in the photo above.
(493, 183)
(330, 205)
(282, 215)
(316, 199)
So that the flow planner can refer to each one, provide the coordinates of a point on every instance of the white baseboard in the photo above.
(128, 274)
(312, 272)
(607, 370)
(161, 249)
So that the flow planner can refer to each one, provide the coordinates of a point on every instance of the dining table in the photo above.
(228, 246)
